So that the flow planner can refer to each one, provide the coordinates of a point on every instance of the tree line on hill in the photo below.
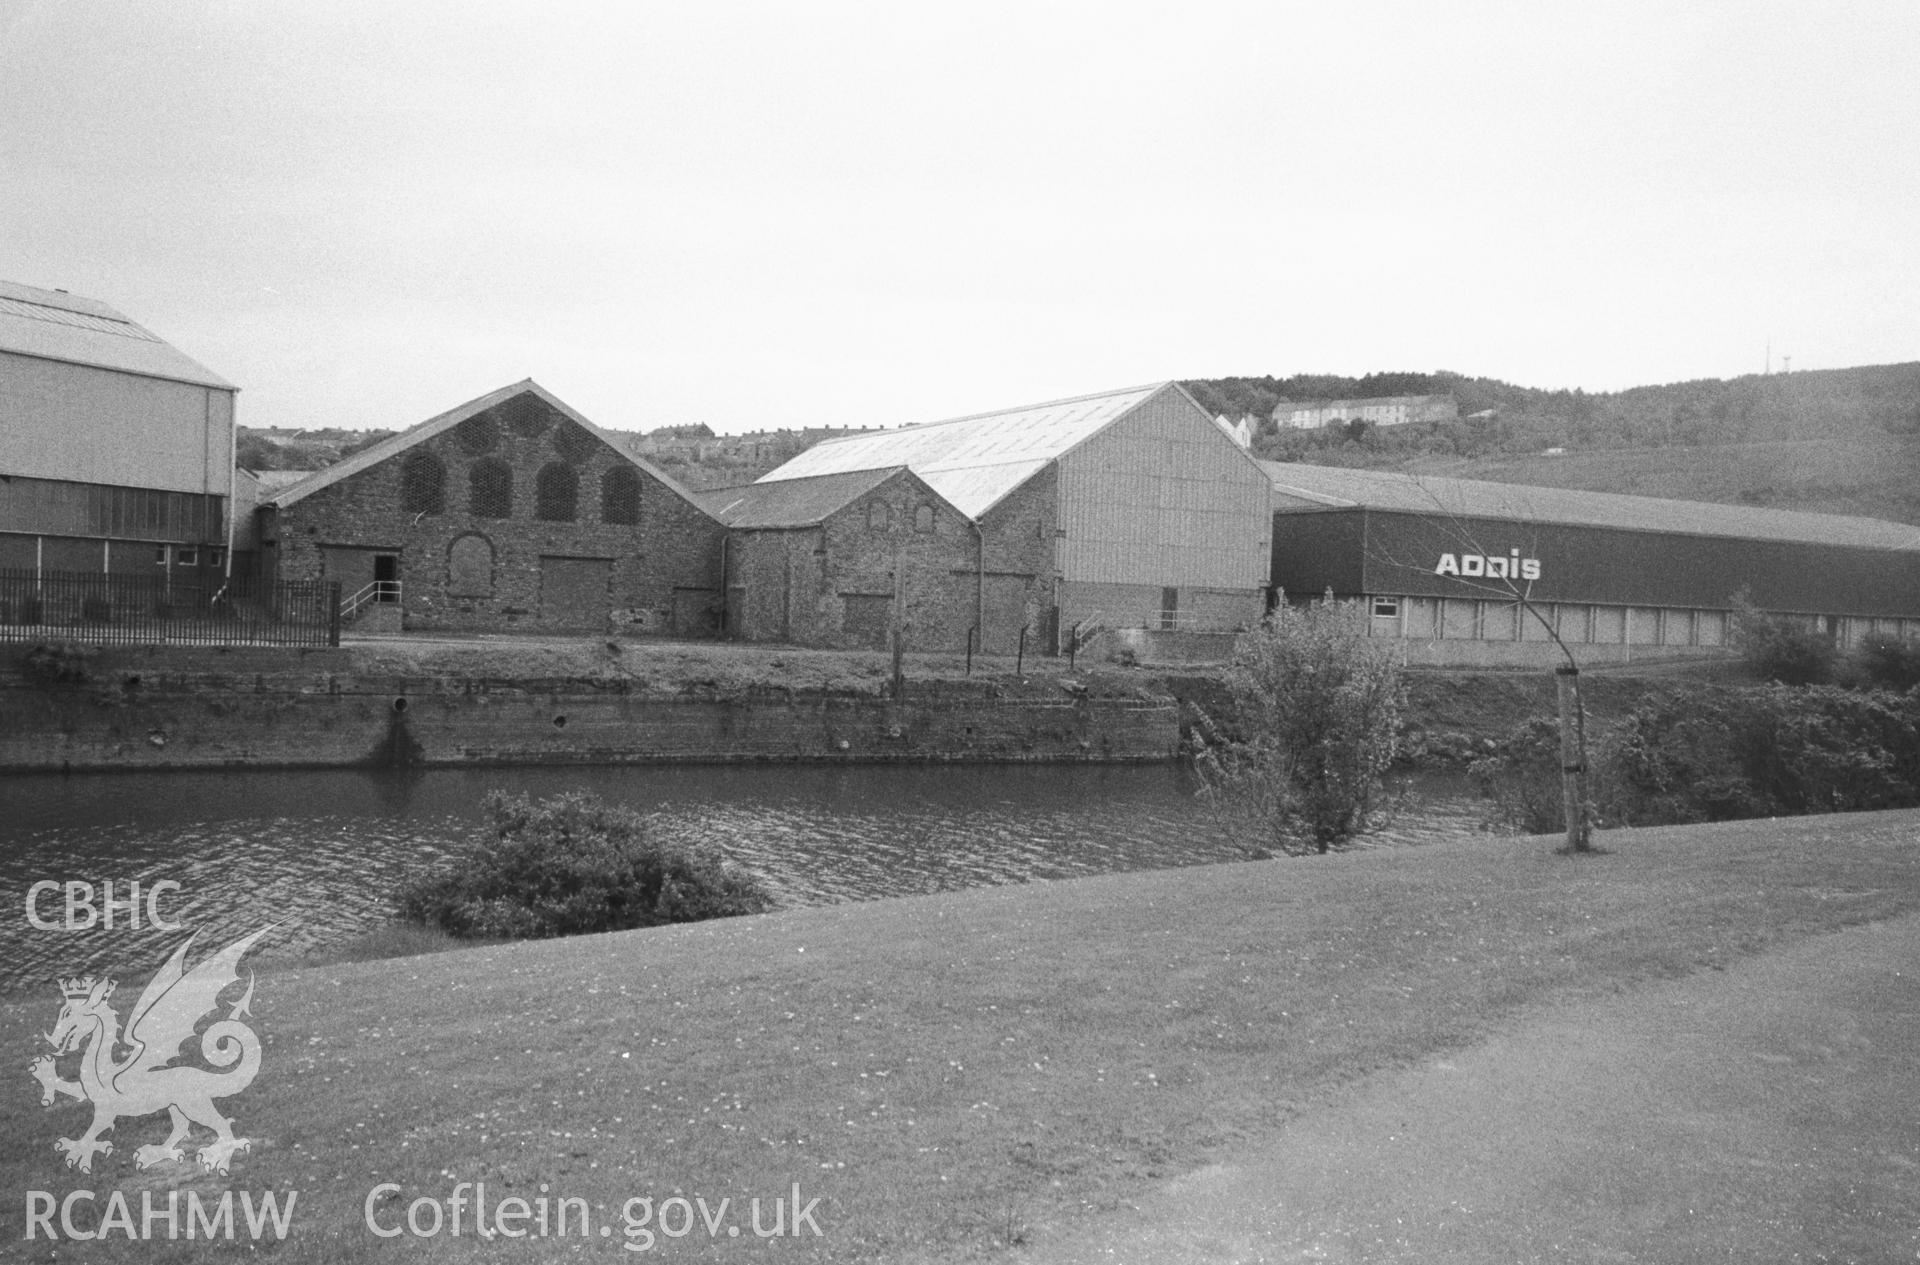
(1496, 419)
(1500, 418)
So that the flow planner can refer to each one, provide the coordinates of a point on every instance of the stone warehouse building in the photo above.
(511, 511)
(828, 560)
(1125, 509)
(1441, 564)
(116, 449)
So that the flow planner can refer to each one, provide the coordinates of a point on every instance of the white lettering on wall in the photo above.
(1475, 566)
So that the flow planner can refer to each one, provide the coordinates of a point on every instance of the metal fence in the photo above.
(145, 609)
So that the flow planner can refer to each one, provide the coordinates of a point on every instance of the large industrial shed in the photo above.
(116, 449)
(1442, 564)
(511, 511)
(1126, 509)
(828, 560)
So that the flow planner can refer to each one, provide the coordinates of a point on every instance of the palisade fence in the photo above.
(145, 609)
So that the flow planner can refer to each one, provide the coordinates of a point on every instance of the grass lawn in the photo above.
(946, 1075)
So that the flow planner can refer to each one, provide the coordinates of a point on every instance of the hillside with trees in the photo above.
(1836, 441)
(1832, 441)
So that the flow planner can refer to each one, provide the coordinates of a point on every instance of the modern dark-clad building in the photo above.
(1442, 564)
(511, 511)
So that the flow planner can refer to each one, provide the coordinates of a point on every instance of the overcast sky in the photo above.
(796, 214)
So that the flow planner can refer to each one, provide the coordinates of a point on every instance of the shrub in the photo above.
(571, 865)
(1703, 754)
(1887, 661)
(1783, 648)
(1319, 705)
(1522, 777)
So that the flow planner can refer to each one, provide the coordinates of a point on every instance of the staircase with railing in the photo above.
(374, 608)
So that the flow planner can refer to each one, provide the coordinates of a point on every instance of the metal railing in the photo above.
(148, 609)
(378, 593)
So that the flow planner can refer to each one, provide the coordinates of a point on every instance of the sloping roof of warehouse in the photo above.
(791, 502)
(387, 447)
(975, 461)
(1338, 487)
(54, 325)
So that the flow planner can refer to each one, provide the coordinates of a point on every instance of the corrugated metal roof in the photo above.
(406, 439)
(51, 325)
(1476, 498)
(790, 502)
(973, 461)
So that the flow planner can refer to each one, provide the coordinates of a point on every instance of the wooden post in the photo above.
(1573, 769)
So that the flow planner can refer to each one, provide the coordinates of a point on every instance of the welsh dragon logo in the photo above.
(142, 1082)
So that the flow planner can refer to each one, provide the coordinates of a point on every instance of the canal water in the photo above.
(320, 852)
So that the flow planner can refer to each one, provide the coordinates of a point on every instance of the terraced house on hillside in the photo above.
(511, 511)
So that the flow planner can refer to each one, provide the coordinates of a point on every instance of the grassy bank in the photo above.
(952, 1074)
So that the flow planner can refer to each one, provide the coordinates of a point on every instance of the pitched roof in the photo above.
(974, 461)
(406, 439)
(1334, 486)
(791, 502)
(54, 325)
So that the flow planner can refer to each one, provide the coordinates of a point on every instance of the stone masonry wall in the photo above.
(833, 585)
(465, 571)
(312, 716)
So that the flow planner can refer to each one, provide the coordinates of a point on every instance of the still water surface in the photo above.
(319, 852)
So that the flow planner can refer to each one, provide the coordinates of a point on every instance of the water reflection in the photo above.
(319, 851)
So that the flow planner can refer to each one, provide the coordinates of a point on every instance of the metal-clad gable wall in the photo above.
(88, 425)
(1163, 497)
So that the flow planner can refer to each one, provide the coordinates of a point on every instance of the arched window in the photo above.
(923, 518)
(556, 493)
(877, 516)
(423, 484)
(470, 566)
(490, 489)
(620, 495)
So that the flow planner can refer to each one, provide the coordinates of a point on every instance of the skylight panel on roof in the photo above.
(77, 320)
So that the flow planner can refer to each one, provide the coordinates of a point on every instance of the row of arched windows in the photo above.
(556, 490)
(880, 516)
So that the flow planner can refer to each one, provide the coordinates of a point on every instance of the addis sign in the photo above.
(1489, 566)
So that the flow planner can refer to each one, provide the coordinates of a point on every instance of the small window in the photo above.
(556, 493)
(186, 556)
(490, 489)
(877, 516)
(216, 557)
(423, 484)
(923, 518)
(160, 555)
(620, 496)
(1386, 608)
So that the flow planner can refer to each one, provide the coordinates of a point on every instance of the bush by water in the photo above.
(571, 865)
(1714, 754)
